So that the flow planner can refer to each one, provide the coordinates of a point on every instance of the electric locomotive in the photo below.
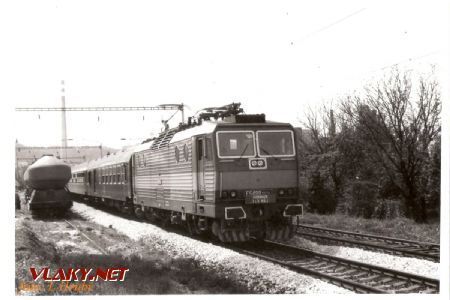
(226, 173)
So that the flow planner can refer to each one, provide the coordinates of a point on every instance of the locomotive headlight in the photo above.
(290, 192)
(233, 194)
(224, 194)
(281, 192)
(254, 163)
(260, 163)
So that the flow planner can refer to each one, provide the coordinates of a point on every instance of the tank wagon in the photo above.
(47, 179)
(229, 174)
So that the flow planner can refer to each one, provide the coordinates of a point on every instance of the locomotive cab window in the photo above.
(277, 143)
(235, 144)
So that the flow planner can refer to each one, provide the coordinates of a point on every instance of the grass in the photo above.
(150, 271)
(157, 274)
(402, 228)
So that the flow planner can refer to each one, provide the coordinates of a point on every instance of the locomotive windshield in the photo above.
(236, 144)
(275, 143)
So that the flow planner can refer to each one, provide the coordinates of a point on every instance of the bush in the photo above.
(364, 195)
(322, 199)
(387, 209)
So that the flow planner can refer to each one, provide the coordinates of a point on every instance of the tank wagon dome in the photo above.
(48, 172)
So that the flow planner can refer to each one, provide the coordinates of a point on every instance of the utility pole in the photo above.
(182, 112)
(63, 122)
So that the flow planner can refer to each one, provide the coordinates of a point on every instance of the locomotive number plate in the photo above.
(258, 197)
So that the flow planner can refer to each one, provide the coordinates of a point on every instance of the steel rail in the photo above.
(396, 246)
(349, 274)
(103, 251)
(356, 276)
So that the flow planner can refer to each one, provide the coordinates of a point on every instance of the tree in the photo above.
(398, 128)
(433, 178)
(322, 153)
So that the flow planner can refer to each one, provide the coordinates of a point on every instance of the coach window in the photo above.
(125, 173)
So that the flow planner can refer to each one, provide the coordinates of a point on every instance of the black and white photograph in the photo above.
(226, 147)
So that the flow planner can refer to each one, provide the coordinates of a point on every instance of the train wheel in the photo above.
(191, 222)
(138, 212)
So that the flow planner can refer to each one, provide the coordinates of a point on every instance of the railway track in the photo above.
(97, 246)
(356, 276)
(389, 245)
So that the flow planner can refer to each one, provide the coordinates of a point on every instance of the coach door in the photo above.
(200, 151)
(94, 177)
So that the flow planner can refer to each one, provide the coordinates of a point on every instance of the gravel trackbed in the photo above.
(258, 275)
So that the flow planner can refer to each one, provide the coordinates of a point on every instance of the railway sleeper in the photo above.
(279, 232)
(411, 289)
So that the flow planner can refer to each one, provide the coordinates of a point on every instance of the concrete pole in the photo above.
(182, 113)
(63, 122)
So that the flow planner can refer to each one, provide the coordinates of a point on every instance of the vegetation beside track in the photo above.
(53, 243)
(401, 228)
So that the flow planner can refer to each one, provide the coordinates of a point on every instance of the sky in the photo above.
(275, 57)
